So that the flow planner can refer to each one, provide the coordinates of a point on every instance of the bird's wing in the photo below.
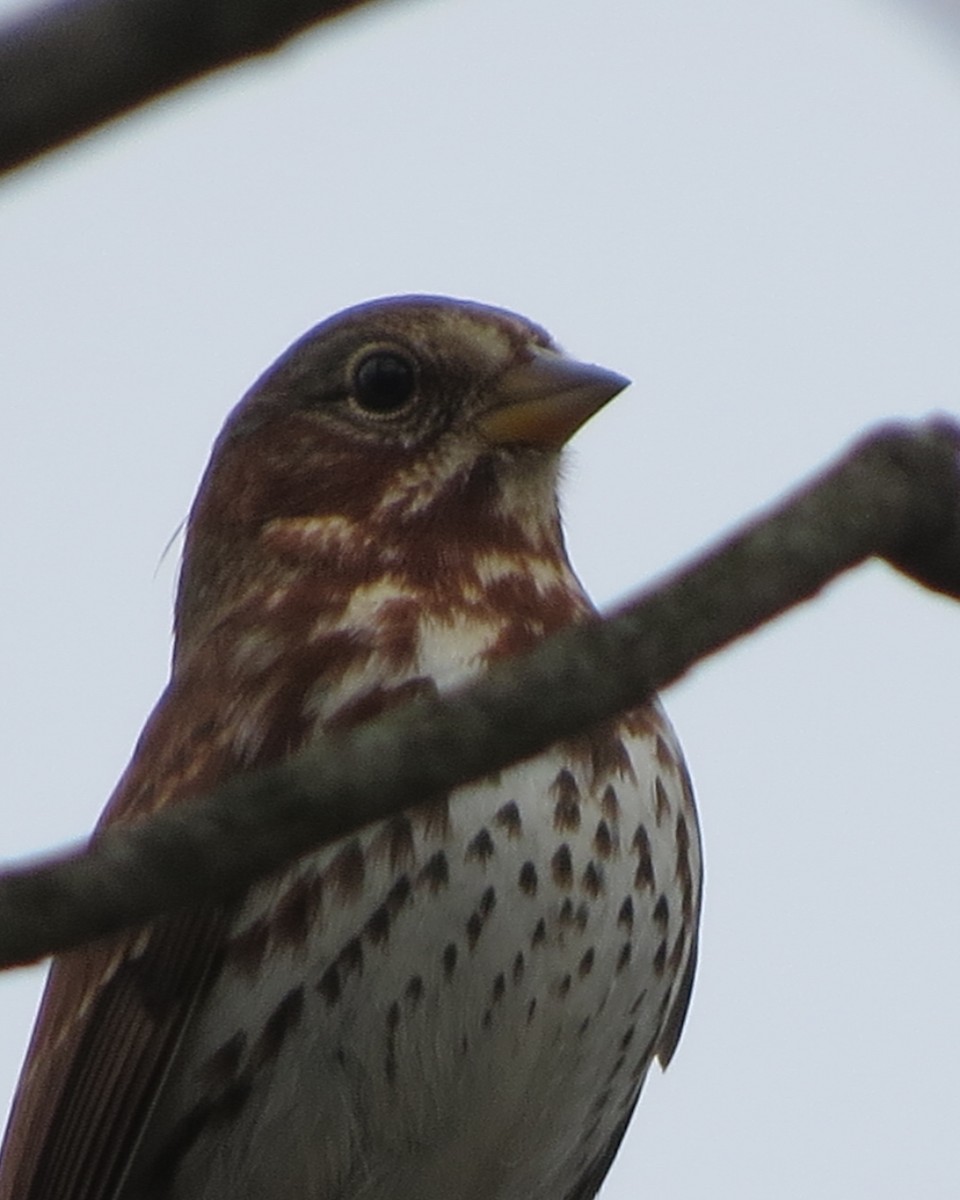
(98, 1057)
(113, 1013)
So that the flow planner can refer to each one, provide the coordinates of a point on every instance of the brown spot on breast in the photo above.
(561, 866)
(610, 757)
(297, 910)
(345, 873)
(284, 1018)
(610, 804)
(643, 878)
(683, 836)
(350, 958)
(684, 869)
(660, 958)
(626, 951)
(449, 959)
(528, 878)
(377, 927)
(518, 967)
(478, 918)
(592, 881)
(539, 934)
(566, 813)
(329, 986)
(480, 847)
(661, 912)
(435, 872)
(586, 963)
(661, 801)
(603, 843)
(432, 817)
(474, 928)
(625, 916)
(378, 924)
(508, 816)
(603, 753)
(221, 1067)
(394, 842)
(398, 895)
(676, 954)
(245, 952)
(414, 990)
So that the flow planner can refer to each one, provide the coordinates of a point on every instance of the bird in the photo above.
(463, 999)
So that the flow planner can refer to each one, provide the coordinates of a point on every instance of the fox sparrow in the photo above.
(461, 1001)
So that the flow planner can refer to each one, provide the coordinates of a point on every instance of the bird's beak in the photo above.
(545, 400)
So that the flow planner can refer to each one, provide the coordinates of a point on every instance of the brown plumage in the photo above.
(460, 1001)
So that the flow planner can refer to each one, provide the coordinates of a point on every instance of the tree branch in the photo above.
(895, 495)
(70, 67)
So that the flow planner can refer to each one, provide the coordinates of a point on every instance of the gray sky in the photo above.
(751, 208)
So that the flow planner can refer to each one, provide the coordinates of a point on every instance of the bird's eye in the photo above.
(384, 382)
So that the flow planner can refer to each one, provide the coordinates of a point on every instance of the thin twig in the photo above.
(70, 67)
(895, 495)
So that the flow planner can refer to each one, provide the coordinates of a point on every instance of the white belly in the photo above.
(461, 1008)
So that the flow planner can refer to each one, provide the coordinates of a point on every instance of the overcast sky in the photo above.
(752, 209)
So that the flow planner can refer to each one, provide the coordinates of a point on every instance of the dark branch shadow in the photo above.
(67, 68)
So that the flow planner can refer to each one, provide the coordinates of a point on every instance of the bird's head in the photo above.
(414, 430)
